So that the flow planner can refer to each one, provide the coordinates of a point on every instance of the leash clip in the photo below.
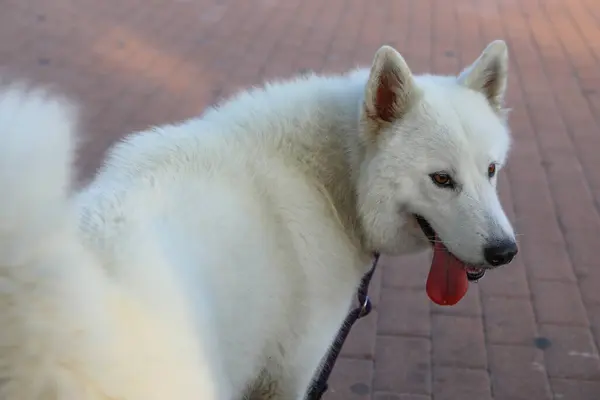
(366, 307)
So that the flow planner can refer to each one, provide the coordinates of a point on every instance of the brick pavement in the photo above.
(529, 332)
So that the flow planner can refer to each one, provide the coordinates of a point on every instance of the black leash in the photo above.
(319, 385)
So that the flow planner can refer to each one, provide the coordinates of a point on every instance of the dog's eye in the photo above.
(491, 170)
(442, 180)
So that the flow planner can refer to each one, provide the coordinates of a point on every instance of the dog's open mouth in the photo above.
(447, 282)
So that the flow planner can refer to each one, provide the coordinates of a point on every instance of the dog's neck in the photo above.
(337, 155)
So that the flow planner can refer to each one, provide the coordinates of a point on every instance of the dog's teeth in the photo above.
(475, 274)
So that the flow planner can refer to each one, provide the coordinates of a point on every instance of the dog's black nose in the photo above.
(500, 252)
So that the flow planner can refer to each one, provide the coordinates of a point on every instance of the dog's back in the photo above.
(185, 270)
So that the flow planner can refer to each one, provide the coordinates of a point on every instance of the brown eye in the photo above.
(491, 170)
(442, 179)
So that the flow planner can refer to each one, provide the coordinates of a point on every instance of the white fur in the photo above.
(219, 256)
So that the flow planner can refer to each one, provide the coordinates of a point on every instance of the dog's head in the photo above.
(434, 149)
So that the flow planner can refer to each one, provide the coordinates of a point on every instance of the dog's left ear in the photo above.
(390, 87)
(489, 74)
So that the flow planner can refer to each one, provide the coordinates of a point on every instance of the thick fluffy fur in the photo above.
(219, 256)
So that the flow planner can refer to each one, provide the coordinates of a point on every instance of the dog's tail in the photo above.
(36, 150)
(49, 285)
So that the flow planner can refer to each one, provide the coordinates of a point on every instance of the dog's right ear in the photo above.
(489, 74)
(390, 87)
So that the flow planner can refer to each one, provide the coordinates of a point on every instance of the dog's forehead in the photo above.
(464, 124)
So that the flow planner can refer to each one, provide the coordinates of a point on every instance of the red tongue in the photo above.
(447, 282)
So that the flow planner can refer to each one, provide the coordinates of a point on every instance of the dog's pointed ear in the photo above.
(489, 74)
(389, 88)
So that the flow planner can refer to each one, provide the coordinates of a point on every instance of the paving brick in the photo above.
(594, 315)
(583, 249)
(403, 365)
(469, 306)
(542, 247)
(458, 341)
(565, 389)
(404, 396)
(406, 272)
(509, 320)
(518, 373)
(572, 353)
(450, 383)
(588, 285)
(351, 379)
(546, 259)
(404, 312)
(510, 281)
(566, 308)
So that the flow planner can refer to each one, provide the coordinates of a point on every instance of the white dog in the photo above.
(216, 259)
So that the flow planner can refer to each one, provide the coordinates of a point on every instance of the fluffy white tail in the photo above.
(43, 313)
(36, 147)
(67, 332)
